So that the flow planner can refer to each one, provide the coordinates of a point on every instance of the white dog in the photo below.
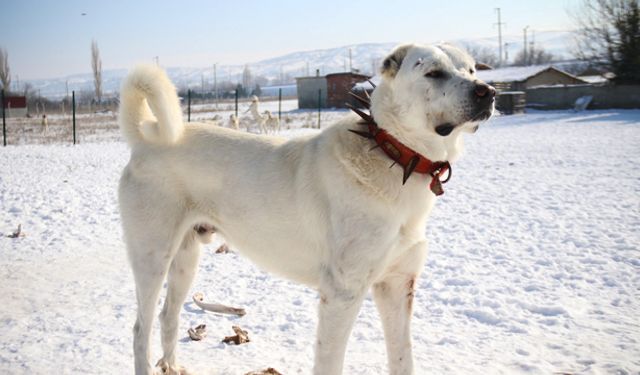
(255, 112)
(324, 210)
(234, 121)
(272, 123)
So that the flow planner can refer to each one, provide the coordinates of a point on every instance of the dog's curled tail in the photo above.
(149, 107)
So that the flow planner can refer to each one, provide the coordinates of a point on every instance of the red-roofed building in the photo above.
(15, 106)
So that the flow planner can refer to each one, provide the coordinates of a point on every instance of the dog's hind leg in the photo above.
(151, 245)
(149, 272)
(181, 274)
(393, 295)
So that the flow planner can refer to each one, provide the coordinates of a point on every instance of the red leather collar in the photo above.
(410, 160)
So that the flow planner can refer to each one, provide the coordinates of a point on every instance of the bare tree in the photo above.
(608, 37)
(5, 72)
(482, 54)
(534, 56)
(96, 66)
(247, 77)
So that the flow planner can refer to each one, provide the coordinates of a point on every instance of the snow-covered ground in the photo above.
(534, 264)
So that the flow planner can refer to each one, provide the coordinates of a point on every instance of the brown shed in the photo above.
(338, 87)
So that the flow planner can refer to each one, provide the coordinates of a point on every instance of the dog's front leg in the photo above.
(337, 312)
(393, 295)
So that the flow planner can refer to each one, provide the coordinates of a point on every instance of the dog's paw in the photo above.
(165, 369)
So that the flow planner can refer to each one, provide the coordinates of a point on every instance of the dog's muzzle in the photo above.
(483, 97)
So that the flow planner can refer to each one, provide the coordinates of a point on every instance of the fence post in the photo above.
(4, 123)
(280, 104)
(319, 105)
(236, 102)
(73, 104)
(189, 105)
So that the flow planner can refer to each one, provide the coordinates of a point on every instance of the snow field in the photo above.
(533, 266)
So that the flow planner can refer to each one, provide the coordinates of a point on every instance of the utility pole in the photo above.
(350, 61)
(499, 23)
(524, 46)
(532, 47)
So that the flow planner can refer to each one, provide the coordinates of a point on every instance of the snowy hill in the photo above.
(364, 57)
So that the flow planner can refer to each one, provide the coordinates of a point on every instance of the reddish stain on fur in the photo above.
(411, 292)
(323, 298)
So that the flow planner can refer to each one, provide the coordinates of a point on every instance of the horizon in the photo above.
(203, 33)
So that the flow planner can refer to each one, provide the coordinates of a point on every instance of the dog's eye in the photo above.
(435, 74)
(471, 71)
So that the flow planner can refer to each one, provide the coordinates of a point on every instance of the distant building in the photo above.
(15, 106)
(520, 78)
(338, 87)
(312, 92)
(330, 91)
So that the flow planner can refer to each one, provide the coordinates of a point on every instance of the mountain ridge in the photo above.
(365, 57)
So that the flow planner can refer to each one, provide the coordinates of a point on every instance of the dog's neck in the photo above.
(412, 128)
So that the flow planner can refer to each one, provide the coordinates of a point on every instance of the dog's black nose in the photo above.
(483, 90)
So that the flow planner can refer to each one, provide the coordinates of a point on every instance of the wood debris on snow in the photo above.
(198, 333)
(198, 299)
(223, 249)
(17, 233)
(269, 371)
(240, 337)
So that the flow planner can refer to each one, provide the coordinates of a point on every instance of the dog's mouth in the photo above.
(446, 128)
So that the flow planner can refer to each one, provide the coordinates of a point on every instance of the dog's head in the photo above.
(433, 88)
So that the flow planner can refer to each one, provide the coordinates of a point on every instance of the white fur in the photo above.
(322, 210)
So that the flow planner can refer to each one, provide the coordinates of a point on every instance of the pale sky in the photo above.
(47, 38)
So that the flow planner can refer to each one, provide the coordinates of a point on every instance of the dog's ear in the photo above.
(483, 66)
(392, 63)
